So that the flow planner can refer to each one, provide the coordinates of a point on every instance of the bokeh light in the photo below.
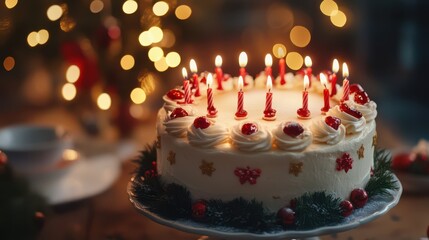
(168, 40)
(129, 6)
(294, 60)
(155, 54)
(9, 63)
(42, 36)
(137, 111)
(145, 38)
(147, 82)
(32, 39)
(338, 18)
(160, 8)
(127, 62)
(156, 34)
(161, 65)
(67, 24)
(104, 101)
(173, 59)
(96, 6)
(68, 91)
(54, 12)
(328, 6)
(138, 96)
(183, 12)
(300, 36)
(279, 50)
(10, 3)
(72, 73)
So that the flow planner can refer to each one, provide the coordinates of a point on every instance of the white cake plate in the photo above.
(372, 210)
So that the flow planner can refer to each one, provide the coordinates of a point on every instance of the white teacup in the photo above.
(33, 148)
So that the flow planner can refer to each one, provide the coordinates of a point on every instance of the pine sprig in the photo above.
(144, 161)
(317, 209)
(382, 182)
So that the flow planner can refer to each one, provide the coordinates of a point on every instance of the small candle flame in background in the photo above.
(209, 80)
(335, 66)
(269, 84)
(218, 61)
(184, 73)
(242, 59)
(345, 70)
(268, 60)
(307, 61)
(193, 66)
(240, 83)
(306, 82)
(323, 79)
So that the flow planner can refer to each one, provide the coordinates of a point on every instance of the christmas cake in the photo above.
(267, 139)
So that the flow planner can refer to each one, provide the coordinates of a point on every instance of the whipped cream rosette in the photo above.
(292, 136)
(350, 118)
(328, 130)
(251, 137)
(363, 104)
(206, 133)
(178, 120)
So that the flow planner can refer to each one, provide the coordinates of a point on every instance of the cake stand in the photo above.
(372, 210)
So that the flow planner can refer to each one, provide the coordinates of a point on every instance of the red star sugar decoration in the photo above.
(344, 163)
(247, 174)
(295, 168)
(171, 157)
(207, 168)
(361, 152)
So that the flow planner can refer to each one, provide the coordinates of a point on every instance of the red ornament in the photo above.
(293, 129)
(401, 161)
(356, 88)
(175, 94)
(3, 159)
(333, 122)
(361, 97)
(201, 122)
(249, 128)
(344, 163)
(199, 210)
(247, 174)
(358, 197)
(346, 208)
(178, 113)
(355, 113)
(287, 215)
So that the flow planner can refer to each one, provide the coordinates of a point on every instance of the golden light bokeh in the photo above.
(96, 6)
(9, 63)
(300, 36)
(42, 36)
(161, 65)
(155, 54)
(173, 59)
(70, 155)
(294, 60)
(328, 6)
(279, 50)
(338, 18)
(67, 24)
(138, 96)
(145, 38)
(69, 91)
(147, 82)
(72, 73)
(10, 3)
(160, 8)
(156, 33)
(168, 40)
(32, 39)
(136, 111)
(54, 12)
(183, 12)
(129, 7)
(127, 62)
(104, 101)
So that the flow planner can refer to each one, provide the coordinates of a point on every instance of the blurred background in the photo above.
(108, 62)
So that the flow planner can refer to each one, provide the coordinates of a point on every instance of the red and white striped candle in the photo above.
(195, 80)
(219, 72)
(333, 77)
(242, 61)
(308, 71)
(346, 83)
(269, 95)
(282, 66)
(186, 86)
(326, 105)
(305, 93)
(211, 110)
(268, 64)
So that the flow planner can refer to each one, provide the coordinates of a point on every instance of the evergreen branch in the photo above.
(382, 182)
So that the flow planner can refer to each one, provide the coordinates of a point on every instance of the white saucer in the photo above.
(84, 178)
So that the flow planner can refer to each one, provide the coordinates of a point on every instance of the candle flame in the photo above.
(323, 79)
(218, 61)
(184, 73)
(193, 66)
(345, 70)
(242, 59)
(335, 66)
(268, 60)
(209, 80)
(306, 82)
(281, 52)
(308, 62)
(240, 83)
(269, 83)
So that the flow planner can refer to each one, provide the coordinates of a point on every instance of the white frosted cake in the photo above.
(271, 159)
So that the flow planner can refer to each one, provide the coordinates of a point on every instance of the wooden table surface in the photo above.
(110, 215)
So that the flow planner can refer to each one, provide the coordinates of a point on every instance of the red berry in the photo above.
(178, 113)
(249, 128)
(358, 197)
(356, 88)
(201, 122)
(346, 208)
(199, 209)
(293, 129)
(361, 97)
(287, 216)
(175, 94)
(355, 113)
(333, 122)
(401, 161)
